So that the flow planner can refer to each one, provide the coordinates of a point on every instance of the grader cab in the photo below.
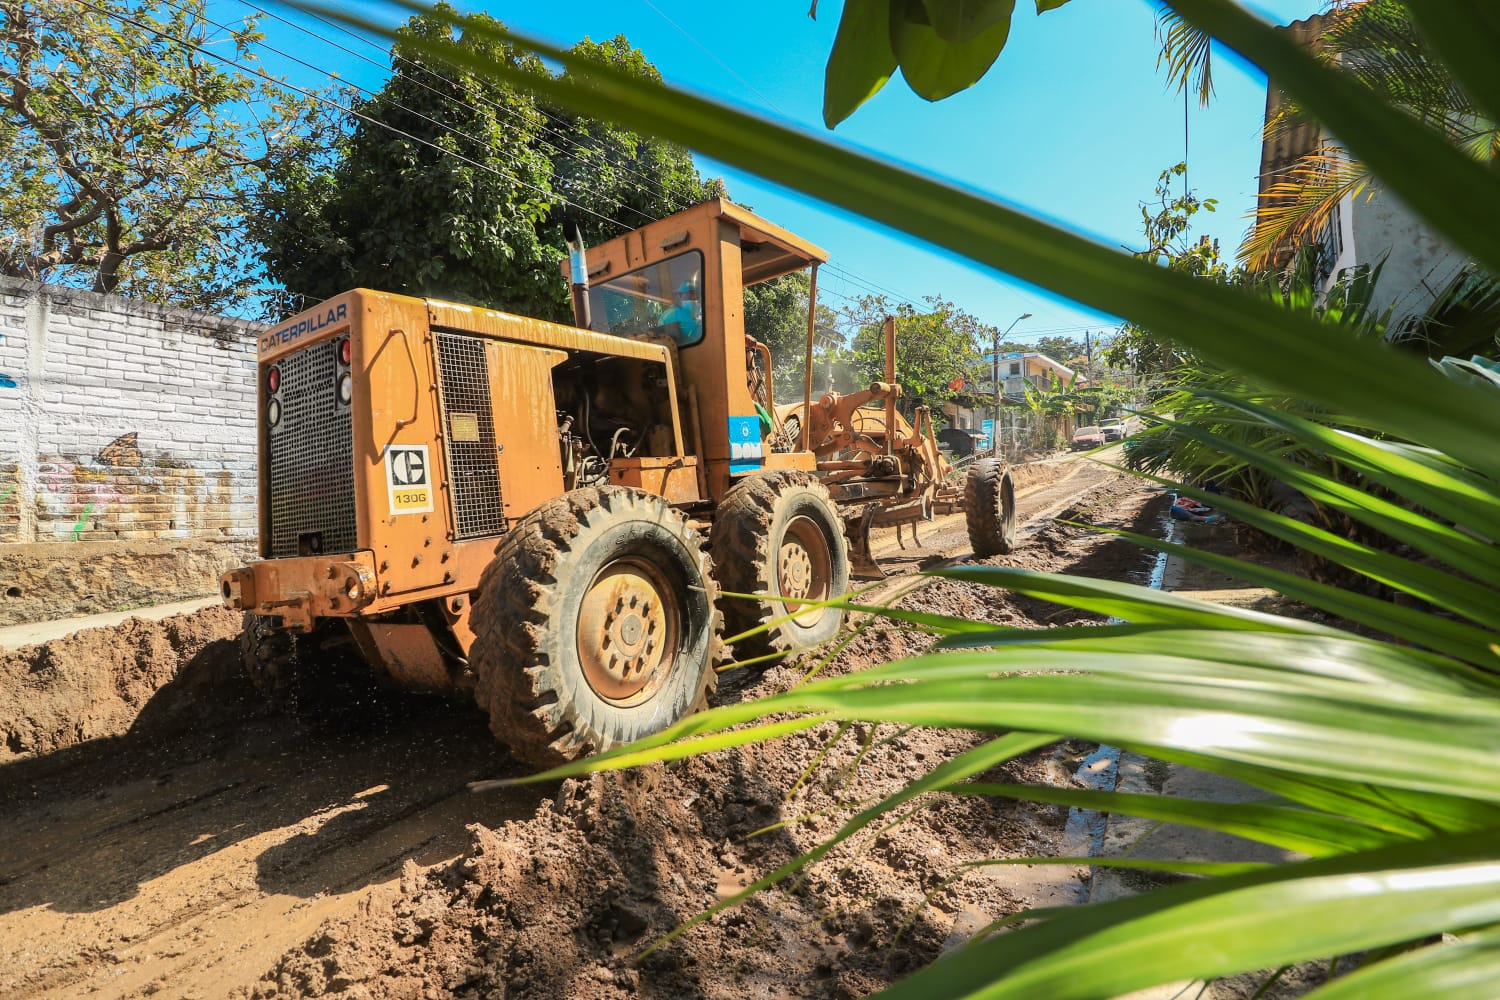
(545, 514)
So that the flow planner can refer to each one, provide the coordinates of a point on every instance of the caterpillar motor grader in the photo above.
(545, 515)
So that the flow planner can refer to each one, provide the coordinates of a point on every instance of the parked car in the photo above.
(1088, 437)
(1113, 430)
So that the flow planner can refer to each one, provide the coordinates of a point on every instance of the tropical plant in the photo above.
(1382, 756)
(1166, 224)
(1381, 44)
(1197, 394)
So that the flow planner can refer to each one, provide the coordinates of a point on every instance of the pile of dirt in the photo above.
(157, 676)
(569, 902)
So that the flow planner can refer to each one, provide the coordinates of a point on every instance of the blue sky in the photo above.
(1073, 124)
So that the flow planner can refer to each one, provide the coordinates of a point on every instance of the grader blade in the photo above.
(857, 523)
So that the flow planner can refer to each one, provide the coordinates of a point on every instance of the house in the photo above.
(1018, 371)
(1364, 229)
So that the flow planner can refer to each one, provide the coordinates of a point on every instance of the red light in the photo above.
(273, 379)
(344, 351)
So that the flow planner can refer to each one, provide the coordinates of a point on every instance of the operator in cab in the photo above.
(684, 320)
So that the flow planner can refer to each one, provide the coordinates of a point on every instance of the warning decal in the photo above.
(409, 479)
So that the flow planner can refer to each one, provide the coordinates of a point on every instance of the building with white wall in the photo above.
(123, 420)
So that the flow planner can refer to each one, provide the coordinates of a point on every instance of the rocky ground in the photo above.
(160, 835)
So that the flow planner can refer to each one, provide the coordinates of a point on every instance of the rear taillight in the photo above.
(273, 378)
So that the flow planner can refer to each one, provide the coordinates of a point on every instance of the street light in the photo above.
(995, 426)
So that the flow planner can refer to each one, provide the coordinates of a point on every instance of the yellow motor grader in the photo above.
(545, 515)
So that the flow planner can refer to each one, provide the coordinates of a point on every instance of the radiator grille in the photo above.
(469, 436)
(311, 458)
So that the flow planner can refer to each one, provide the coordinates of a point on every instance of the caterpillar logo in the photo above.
(408, 484)
(304, 326)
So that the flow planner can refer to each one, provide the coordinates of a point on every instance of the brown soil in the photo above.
(194, 847)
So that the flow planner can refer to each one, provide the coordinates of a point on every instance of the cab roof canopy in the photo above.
(766, 250)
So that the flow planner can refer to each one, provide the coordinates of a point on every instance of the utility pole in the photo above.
(995, 373)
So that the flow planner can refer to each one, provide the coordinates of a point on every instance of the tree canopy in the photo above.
(457, 186)
(131, 149)
(934, 347)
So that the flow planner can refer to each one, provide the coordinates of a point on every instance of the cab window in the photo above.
(664, 298)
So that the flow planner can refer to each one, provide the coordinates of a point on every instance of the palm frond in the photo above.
(1299, 205)
(1187, 53)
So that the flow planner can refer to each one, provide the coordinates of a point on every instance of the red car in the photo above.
(1088, 437)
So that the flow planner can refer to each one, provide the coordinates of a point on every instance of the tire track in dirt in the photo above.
(194, 872)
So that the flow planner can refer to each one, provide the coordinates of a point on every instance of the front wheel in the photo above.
(990, 508)
(778, 534)
(595, 625)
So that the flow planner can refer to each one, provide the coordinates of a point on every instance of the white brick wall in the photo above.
(123, 419)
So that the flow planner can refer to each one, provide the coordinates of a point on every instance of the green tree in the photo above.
(934, 346)
(453, 185)
(1058, 348)
(440, 188)
(776, 315)
(131, 153)
(602, 170)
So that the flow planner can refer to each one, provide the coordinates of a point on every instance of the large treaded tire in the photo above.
(269, 658)
(300, 675)
(770, 525)
(563, 653)
(990, 508)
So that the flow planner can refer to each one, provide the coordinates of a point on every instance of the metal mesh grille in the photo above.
(469, 436)
(311, 458)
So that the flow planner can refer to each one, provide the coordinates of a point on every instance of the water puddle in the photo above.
(1083, 834)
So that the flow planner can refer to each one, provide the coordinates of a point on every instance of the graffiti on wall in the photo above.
(123, 450)
(89, 487)
(119, 493)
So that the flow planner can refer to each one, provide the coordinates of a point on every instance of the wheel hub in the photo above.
(625, 632)
(804, 569)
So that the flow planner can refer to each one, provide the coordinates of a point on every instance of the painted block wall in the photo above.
(123, 420)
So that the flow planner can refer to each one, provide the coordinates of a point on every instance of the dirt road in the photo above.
(355, 863)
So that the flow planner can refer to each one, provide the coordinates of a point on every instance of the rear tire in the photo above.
(990, 508)
(778, 533)
(595, 625)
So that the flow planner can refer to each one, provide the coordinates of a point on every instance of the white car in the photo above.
(1113, 430)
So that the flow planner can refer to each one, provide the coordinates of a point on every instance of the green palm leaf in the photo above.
(1234, 924)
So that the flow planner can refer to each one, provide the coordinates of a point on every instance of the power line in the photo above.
(658, 188)
(350, 111)
(281, 84)
(520, 133)
(715, 57)
(641, 180)
(873, 286)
